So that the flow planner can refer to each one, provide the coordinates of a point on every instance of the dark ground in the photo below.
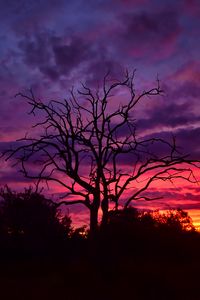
(153, 268)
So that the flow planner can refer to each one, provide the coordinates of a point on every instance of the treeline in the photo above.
(137, 253)
(28, 218)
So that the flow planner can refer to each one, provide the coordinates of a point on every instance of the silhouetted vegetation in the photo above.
(130, 220)
(32, 222)
(138, 255)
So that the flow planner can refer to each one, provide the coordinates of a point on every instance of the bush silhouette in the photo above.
(131, 219)
(31, 218)
(131, 230)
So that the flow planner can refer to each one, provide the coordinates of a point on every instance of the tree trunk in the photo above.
(93, 221)
(104, 207)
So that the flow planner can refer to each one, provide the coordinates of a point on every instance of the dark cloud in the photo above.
(187, 90)
(100, 66)
(170, 194)
(192, 8)
(36, 49)
(71, 55)
(150, 33)
(56, 56)
(13, 177)
(158, 25)
(21, 16)
(193, 189)
(187, 141)
(170, 114)
(189, 206)
(37, 52)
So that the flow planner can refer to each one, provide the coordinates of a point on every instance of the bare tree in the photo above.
(82, 146)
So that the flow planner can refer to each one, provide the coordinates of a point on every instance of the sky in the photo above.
(50, 45)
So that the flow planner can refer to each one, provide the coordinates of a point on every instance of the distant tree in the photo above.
(130, 220)
(174, 219)
(83, 141)
(31, 216)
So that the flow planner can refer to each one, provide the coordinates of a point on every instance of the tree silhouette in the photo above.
(129, 218)
(31, 216)
(83, 141)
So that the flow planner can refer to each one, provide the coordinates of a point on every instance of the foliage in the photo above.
(174, 219)
(133, 220)
(30, 215)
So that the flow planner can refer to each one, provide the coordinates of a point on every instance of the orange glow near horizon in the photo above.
(195, 215)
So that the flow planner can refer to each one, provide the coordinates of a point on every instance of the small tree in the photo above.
(30, 215)
(84, 142)
(130, 220)
(174, 219)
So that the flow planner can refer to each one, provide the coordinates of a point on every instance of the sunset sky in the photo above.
(50, 45)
